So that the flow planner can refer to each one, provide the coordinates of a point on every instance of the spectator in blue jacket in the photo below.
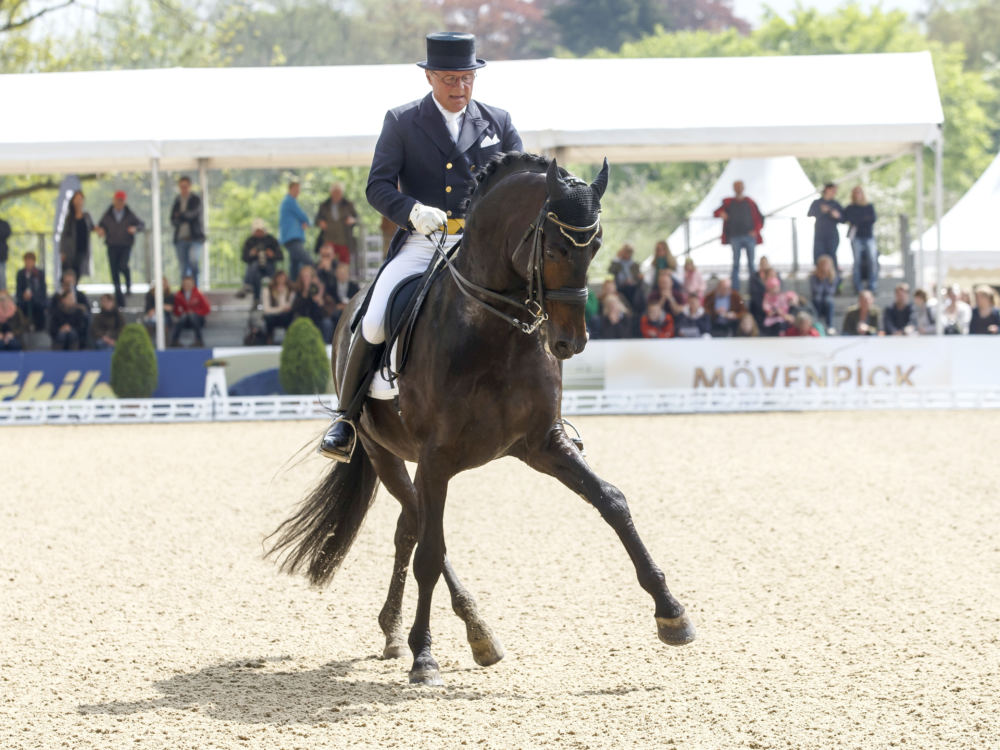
(188, 219)
(828, 214)
(860, 216)
(897, 317)
(292, 225)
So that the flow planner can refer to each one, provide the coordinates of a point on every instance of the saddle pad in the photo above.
(399, 305)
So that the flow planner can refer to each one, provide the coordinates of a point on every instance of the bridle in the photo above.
(533, 306)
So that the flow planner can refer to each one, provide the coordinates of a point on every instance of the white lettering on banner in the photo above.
(831, 363)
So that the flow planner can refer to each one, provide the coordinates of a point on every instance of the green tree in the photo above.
(134, 371)
(304, 366)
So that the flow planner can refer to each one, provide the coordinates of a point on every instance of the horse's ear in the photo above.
(552, 181)
(600, 183)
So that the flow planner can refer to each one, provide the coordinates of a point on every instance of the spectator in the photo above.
(336, 218)
(897, 317)
(68, 319)
(957, 314)
(186, 215)
(74, 242)
(149, 317)
(592, 308)
(670, 292)
(31, 292)
(342, 290)
(628, 279)
(106, 326)
(860, 217)
(747, 327)
(777, 305)
(694, 282)
(261, 252)
(663, 258)
(692, 322)
(985, 316)
(803, 326)
(828, 213)
(292, 225)
(190, 311)
(4, 252)
(741, 225)
(616, 320)
(278, 298)
(313, 302)
(822, 288)
(12, 324)
(862, 318)
(327, 265)
(656, 323)
(725, 308)
(118, 227)
(921, 316)
(758, 289)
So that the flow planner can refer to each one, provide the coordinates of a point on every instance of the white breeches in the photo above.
(413, 258)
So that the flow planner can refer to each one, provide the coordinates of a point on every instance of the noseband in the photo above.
(537, 295)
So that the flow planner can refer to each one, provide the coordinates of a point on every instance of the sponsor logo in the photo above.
(744, 375)
(75, 385)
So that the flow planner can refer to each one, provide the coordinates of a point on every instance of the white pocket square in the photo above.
(490, 140)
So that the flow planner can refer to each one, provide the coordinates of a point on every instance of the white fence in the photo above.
(575, 403)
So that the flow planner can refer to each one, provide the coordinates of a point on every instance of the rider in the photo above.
(427, 153)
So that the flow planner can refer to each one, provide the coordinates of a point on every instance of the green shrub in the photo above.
(305, 368)
(133, 364)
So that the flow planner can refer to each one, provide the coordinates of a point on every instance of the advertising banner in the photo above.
(834, 363)
(59, 376)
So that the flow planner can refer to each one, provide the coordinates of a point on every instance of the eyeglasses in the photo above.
(466, 80)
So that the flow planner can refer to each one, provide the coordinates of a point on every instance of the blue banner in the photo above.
(46, 376)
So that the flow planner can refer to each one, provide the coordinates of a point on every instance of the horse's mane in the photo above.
(504, 165)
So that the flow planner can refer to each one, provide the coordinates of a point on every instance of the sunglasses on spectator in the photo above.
(466, 79)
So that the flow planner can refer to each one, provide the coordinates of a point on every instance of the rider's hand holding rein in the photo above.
(426, 219)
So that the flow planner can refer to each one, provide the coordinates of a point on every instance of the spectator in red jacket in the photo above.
(741, 225)
(190, 310)
(657, 323)
(803, 326)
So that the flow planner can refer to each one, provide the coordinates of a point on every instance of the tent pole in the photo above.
(161, 337)
(918, 153)
(206, 272)
(938, 210)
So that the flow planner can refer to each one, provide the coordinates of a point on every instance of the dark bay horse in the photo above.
(480, 383)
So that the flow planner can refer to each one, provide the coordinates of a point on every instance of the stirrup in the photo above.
(344, 456)
(576, 438)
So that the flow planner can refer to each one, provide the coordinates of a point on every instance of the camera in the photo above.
(313, 290)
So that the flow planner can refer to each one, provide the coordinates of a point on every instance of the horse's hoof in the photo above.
(428, 676)
(676, 631)
(486, 651)
(395, 651)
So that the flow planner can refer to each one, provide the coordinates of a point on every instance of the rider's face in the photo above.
(451, 88)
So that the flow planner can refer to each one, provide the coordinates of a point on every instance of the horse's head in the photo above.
(569, 239)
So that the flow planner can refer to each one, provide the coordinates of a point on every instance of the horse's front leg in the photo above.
(428, 562)
(559, 458)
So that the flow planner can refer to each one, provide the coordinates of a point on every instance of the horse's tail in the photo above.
(317, 538)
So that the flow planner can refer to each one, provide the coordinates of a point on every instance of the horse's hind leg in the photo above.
(486, 649)
(559, 458)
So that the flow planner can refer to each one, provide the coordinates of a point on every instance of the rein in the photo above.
(533, 307)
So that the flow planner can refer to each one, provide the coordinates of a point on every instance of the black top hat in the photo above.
(451, 50)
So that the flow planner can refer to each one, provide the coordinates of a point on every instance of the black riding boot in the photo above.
(338, 442)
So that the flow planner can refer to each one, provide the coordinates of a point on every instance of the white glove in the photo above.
(426, 219)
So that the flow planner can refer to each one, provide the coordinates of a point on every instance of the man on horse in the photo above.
(427, 153)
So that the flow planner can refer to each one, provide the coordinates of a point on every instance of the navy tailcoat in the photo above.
(417, 161)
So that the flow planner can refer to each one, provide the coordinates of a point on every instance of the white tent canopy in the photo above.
(782, 192)
(625, 109)
(968, 238)
(630, 110)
